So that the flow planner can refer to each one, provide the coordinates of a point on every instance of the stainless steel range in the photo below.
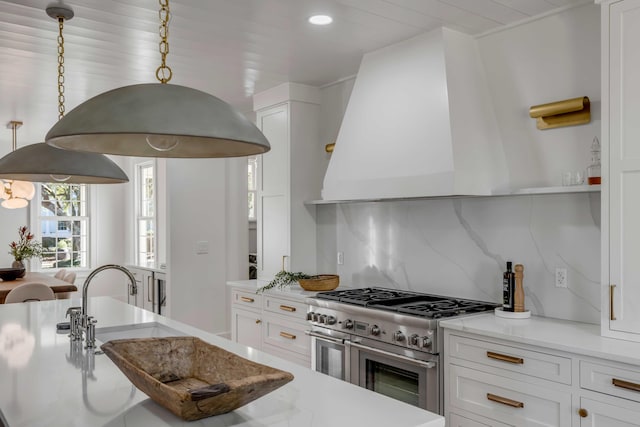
(385, 340)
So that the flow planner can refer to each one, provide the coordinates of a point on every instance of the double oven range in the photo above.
(385, 340)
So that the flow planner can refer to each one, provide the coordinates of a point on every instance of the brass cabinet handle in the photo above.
(625, 384)
(505, 401)
(287, 336)
(583, 413)
(247, 299)
(611, 290)
(258, 321)
(505, 358)
(287, 308)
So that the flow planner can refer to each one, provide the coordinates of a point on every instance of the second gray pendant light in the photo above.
(158, 120)
(43, 163)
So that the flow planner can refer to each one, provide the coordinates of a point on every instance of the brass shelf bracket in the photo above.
(570, 112)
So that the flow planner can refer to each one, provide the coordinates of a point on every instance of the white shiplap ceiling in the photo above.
(229, 48)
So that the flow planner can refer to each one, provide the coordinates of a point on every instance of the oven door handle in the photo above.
(324, 337)
(428, 365)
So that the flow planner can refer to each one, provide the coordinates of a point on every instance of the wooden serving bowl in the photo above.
(321, 282)
(192, 378)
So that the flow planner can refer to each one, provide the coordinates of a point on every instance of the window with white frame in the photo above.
(252, 172)
(63, 224)
(145, 195)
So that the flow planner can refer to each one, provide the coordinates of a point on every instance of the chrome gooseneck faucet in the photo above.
(86, 322)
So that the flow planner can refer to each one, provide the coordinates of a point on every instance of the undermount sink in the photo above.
(137, 330)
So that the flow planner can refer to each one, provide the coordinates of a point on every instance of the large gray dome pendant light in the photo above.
(43, 163)
(158, 120)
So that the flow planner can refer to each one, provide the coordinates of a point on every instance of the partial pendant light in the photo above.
(43, 163)
(16, 194)
(158, 120)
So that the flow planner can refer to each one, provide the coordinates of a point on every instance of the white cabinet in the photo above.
(271, 323)
(246, 321)
(602, 414)
(507, 384)
(492, 382)
(621, 169)
(288, 175)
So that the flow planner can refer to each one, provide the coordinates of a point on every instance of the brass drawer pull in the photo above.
(247, 299)
(625, 384)
(611, 291)
(287, 308)
(505, 358)
(258, 321)
(505, 401)
(583, 413)
(287, 336)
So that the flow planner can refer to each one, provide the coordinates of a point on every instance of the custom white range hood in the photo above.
(419, 123)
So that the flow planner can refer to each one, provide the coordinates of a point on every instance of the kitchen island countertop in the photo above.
(48, 382)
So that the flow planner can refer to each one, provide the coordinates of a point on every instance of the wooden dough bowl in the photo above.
(322, 282)
(192, 378)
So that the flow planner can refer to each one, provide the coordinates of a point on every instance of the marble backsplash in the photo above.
(459, 247)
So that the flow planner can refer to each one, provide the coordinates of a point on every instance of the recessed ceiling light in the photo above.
(320, 19)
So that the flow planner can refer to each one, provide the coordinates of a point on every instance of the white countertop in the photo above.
(293, 291)
(44, 383)
(563, 335)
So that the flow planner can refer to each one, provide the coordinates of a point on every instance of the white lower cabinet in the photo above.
(492, 382)
(272, 324)
(456, 420)
(596, 413)
(508, 400)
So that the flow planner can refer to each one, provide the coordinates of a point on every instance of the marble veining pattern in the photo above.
(459, 247)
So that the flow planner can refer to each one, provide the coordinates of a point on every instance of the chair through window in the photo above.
(29, 292)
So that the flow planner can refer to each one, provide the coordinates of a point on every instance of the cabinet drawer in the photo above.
(513, 359)
(509, 401)
(286, 335)
(456, 420)
(610, 380)
(246, 299)
(293, 309)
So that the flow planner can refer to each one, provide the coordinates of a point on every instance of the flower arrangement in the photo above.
(26, 247)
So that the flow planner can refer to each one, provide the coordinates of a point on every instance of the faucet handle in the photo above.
(91, 332)
(72, 310)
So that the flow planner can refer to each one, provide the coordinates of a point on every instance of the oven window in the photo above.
(393, 382)
(330, 359)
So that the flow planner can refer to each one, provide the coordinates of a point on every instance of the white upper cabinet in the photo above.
(288, 175)
(621, 169)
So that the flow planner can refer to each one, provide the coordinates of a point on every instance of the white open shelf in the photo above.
(569, 189)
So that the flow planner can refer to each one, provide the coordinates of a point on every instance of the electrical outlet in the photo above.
(562, 281)
(340, 258)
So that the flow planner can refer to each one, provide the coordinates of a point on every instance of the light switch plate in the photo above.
(202, 247)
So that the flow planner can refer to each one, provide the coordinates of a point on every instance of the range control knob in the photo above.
(425, 342)
(310, 316)
(323, 318)
(375, 330)
(331, 320)
(398, 336)
(316, 317)
(348, 324)
(413, 339)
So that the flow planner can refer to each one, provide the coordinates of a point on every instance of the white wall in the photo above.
(550, 59)
(206, 201)
(459, 247)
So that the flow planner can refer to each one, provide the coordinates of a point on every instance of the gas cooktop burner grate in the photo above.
(410, 303)
(367, 296)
